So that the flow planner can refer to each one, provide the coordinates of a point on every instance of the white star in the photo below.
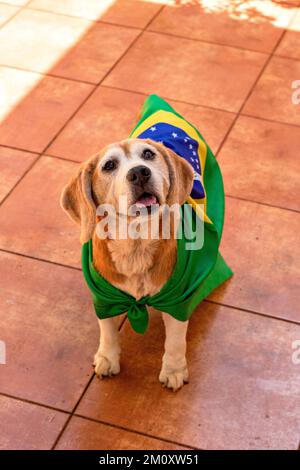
(153, 128)
(194, 153)
(190, 147)
(185, 140)
(192, 159)
(197, 176)
(174, 135)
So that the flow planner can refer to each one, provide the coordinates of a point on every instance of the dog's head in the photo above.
(143, 171)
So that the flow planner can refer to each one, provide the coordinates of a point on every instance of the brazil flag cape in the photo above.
(197, 272)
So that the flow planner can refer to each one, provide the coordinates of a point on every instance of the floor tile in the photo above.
(272, 96)
(64, 46)
(125, 12)
(82, 434)
(13, 164)
(233, 401)
(201, 76)
(290, 44)
(212, 123)
(258, 162)
(6, 12)
(252, 25)
(91, 129)
(15, 434)
(87, 61)
(52, 332)
(36, 107)
(132, 13)
(91, 10)
(32, 221)
(38, 40)
(107, 116)
(260, 243)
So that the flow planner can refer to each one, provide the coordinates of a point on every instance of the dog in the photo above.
(148, 174)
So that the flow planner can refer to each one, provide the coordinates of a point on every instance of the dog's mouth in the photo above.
(147, 200)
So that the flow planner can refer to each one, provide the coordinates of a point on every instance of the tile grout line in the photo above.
(48, 155)
(19, 9)
(253, 312)
(32, 402)
(206, 41)
(47, 74)
(273, 52)
(248, 95)
(35, 258)
(287, 57)
(20, 179)
(20, 149)
(188, 103)
(123, 428)
(72, 413)
(60, 434)
(273, 121)
(94, 21)
(266, 204)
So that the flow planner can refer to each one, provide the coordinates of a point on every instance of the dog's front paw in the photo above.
(174, 378)
(105, 366)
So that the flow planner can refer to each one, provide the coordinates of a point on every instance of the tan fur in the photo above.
(77, 199)
(140, 267)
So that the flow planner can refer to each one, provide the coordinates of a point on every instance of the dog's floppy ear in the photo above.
(77, 199)
(181, 177)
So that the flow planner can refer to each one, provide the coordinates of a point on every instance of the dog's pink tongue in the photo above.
(146, 201)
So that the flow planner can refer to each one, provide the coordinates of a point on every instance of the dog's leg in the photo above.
(107, 358)
(174, 371)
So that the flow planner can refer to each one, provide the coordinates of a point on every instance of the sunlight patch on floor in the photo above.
(255, 11)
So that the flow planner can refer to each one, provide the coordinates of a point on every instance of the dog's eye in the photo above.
(148, 154)
(110, 165)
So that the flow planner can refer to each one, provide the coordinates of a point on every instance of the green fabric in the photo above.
(196, 273)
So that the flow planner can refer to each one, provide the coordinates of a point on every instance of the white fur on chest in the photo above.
(134, 259)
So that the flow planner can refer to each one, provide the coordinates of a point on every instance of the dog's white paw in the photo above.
(105, 366)
(174, 378)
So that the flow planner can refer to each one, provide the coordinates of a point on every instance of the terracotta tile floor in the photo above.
(73, 76)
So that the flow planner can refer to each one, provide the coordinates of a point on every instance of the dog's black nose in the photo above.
(139, 175)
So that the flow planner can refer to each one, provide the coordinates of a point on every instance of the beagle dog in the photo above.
(165, 163)
(146, 173)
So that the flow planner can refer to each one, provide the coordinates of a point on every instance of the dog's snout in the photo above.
(139, 175)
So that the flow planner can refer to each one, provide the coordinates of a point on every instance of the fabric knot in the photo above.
(138, 316)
